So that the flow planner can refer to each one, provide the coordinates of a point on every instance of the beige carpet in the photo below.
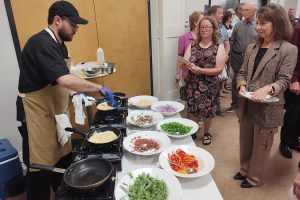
(279, 174)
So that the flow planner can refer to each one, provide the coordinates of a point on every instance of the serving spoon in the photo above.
(187, 169)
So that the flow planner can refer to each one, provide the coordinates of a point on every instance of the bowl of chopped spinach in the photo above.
(177, 127)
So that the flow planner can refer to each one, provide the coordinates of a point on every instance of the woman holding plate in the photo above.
(267, 70)
(206, 58)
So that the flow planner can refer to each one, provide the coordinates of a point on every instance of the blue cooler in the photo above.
(10, 166)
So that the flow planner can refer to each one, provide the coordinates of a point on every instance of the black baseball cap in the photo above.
(66, 9)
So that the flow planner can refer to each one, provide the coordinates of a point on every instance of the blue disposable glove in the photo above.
(105, 92)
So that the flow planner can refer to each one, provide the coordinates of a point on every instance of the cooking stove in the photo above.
(117, 120)
(112, 152)
(103, 192)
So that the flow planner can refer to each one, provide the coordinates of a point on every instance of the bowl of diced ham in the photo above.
(167, 108)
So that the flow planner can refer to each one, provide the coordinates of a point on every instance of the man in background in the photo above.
(243, 34)
(293, 19)
(216, 12)
(290, 131)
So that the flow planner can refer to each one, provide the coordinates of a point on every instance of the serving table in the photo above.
(192, 188)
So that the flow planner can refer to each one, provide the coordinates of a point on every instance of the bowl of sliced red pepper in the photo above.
(177, 159)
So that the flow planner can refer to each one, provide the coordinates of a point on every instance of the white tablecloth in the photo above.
(202, 188)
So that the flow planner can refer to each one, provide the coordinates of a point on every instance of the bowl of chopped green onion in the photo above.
(177, 127)
(148, 184)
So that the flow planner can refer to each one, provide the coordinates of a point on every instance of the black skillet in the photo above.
(85, 174)
(91, 132)
(109, 112)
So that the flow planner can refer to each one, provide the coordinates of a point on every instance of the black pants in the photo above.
(38, 183)
(236, 63)
(290, 131)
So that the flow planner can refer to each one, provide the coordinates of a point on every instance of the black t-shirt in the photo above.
(42, 62)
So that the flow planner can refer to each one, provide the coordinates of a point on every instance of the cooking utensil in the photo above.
(122, 97)
(113, 111)
(90, 133)
(187, 169)
(108, 67)
(91, 71)
(85, 174)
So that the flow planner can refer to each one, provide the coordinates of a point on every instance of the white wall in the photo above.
(8, 83)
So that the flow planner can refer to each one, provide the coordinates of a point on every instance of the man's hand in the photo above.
(295, 87)
(105, 92)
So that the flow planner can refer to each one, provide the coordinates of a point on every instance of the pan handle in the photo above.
(74, 130)
(46, 168)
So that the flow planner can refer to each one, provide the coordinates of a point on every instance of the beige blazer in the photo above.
(276, 69)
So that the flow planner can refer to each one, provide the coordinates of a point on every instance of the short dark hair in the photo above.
(226, 16)
(213, 9)
(278, 17)
(50, 19)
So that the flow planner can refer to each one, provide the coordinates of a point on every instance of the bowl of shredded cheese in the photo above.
(142, 101)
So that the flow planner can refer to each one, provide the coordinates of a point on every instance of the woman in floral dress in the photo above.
(207, 58)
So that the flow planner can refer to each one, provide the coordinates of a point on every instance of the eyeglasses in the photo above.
(74, 26)
(205, 27)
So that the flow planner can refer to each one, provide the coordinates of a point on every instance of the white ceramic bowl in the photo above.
(131, 118)
(136, 101)
(173, 104)
(205, 159)
(163, 141)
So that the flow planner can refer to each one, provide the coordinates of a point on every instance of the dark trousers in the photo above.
(236, 63)
(290, 131)
(39, 183)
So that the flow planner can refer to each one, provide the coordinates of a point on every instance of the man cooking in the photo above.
(44, 86)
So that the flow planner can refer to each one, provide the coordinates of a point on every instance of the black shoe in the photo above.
(231, 109)
(285, 151)
(246, 184)
(296, 148)
(220, 113)
(194, 136)
(239, 177)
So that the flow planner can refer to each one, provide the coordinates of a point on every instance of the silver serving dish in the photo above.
(108, 67)
(92, 71)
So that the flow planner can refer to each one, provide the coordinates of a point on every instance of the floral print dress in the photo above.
(202, 90)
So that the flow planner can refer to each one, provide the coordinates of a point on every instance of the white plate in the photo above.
(205, 160)
(173, 185)
(178, 106)
(157, 117)
(135, 100)
(268, 98)
(163, 141)
(183, 121)
(77, 69)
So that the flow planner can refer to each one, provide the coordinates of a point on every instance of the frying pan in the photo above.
(91, 132)
(112, 111)
(85, 174)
